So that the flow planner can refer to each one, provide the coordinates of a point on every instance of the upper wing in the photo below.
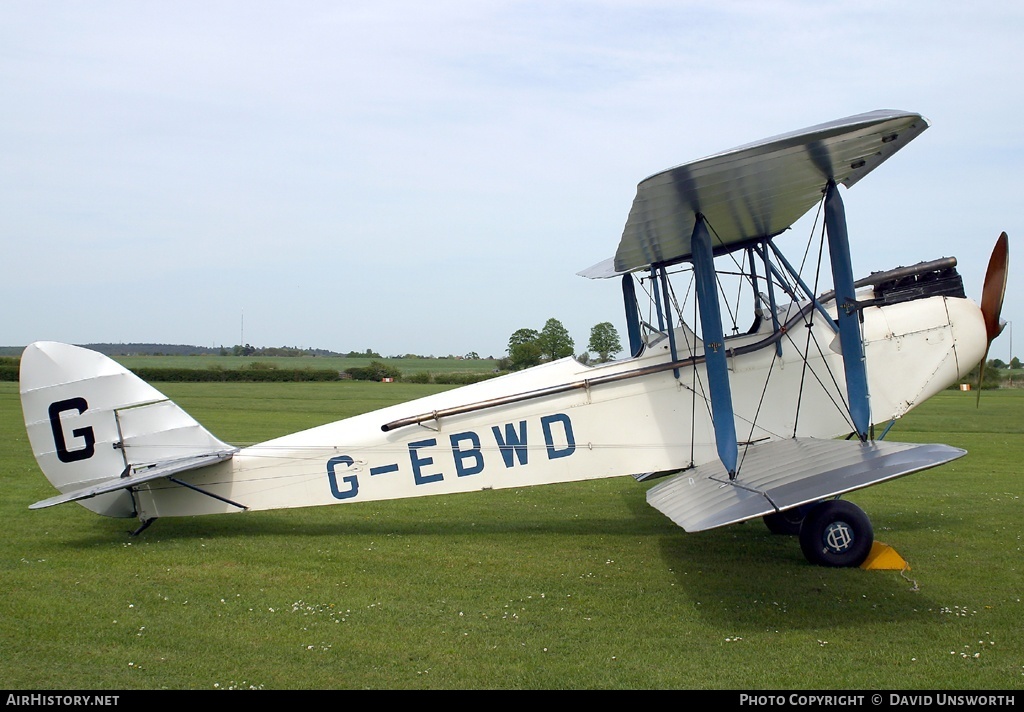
(754, 191)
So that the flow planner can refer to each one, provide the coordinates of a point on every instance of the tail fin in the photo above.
(93, 425)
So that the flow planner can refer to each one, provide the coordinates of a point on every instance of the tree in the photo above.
(528, 347)
(524, 349)
(604, 341)
(1015, 363)
(555, 342)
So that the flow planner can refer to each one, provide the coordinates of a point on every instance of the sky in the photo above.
(429, 177)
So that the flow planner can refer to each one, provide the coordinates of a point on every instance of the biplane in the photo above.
(725, 417)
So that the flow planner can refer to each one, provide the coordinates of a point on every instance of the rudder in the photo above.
(91, 421)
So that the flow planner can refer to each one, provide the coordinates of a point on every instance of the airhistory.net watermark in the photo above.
(52, 700)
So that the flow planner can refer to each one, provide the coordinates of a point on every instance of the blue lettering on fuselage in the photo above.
(510, 439)
(419, 462)
(513, 444)
(468, 461)
(549, 439)
(350, 480)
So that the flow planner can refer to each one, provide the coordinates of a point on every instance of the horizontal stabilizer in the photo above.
(782, 474)
(139, 475)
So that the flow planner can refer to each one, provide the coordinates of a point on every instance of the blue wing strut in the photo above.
(847, 311)
(714, 346)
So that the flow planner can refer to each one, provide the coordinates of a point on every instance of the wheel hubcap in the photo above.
(838, 537)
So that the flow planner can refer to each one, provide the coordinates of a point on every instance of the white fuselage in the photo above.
(645, 423)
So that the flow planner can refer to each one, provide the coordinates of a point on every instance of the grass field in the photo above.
(580, 586)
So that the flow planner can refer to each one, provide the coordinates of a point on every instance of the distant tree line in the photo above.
(149, 349)
(999, 363)
(9, 366)
(529, 347)
(249, 350)
(998, 374)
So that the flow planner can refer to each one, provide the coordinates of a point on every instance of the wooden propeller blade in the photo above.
(995, 286)
(981, 378)
(992, 293)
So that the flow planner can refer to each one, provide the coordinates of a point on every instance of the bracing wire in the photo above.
(842, 406)
(809, 321)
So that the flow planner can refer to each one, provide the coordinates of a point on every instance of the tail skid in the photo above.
(97, 430)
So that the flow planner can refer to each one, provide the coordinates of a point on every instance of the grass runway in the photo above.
(576, 586)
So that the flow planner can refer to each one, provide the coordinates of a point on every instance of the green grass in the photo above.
(559, 587)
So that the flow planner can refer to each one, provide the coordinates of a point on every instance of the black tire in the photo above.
(787, 522)
(836, 533)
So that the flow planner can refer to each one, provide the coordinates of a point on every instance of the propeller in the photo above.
(992, 298)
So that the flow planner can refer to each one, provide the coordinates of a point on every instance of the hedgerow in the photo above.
(244, 375)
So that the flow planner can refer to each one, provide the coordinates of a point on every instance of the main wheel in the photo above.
(836, 533)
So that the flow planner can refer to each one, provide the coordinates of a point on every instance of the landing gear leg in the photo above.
(836, 533)
(144, 526)
(787, 522)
